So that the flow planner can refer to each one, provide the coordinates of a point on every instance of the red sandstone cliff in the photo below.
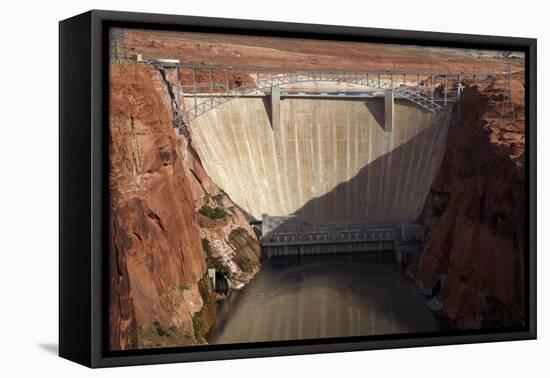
(239, 256)
(159, 293)
(475, 215)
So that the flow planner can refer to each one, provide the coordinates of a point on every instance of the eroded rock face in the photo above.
(231, 240)
(122, 316)
(475, 216)
(159, 294)
(154, 228)
(231, 245)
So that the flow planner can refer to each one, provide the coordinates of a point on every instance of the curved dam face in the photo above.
(331, 160)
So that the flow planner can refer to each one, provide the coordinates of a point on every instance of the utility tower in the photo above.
(507, 110)
(118, 50)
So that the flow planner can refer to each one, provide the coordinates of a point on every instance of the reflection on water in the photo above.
(323, 296)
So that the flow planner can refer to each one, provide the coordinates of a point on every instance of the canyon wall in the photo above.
(160, 294)
(331, 159)
(475, 217)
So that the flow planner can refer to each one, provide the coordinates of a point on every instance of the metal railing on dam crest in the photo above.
(212, 86)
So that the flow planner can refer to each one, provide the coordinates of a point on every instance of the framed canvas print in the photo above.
(233, 188)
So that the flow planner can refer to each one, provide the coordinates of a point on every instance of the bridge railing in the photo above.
(212, 86)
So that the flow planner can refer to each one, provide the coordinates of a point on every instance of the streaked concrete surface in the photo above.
(330, 160)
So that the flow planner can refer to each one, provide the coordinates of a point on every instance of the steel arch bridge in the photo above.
(210, 86)
(265, 85)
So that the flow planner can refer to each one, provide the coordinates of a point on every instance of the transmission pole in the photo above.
(507, 109)
(119, 52)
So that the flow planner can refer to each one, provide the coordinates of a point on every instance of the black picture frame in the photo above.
(83, 181)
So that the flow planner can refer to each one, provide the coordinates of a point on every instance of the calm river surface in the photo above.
(323, 296)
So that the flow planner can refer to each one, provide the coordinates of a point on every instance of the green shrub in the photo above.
(212, 212)
(180, 287)
(198, 321)
(160, 329)
(205, 246)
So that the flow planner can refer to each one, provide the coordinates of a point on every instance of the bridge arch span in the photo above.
(265, 85)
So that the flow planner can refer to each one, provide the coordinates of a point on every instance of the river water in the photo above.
(323, 296)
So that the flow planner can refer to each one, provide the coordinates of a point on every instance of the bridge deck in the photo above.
(219, 84)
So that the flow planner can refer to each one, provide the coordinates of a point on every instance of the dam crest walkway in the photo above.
(211, 86)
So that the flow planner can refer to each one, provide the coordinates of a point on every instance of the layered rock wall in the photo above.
(156, 186)
(475, 218)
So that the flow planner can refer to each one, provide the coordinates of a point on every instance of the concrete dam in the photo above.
(331, 160)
